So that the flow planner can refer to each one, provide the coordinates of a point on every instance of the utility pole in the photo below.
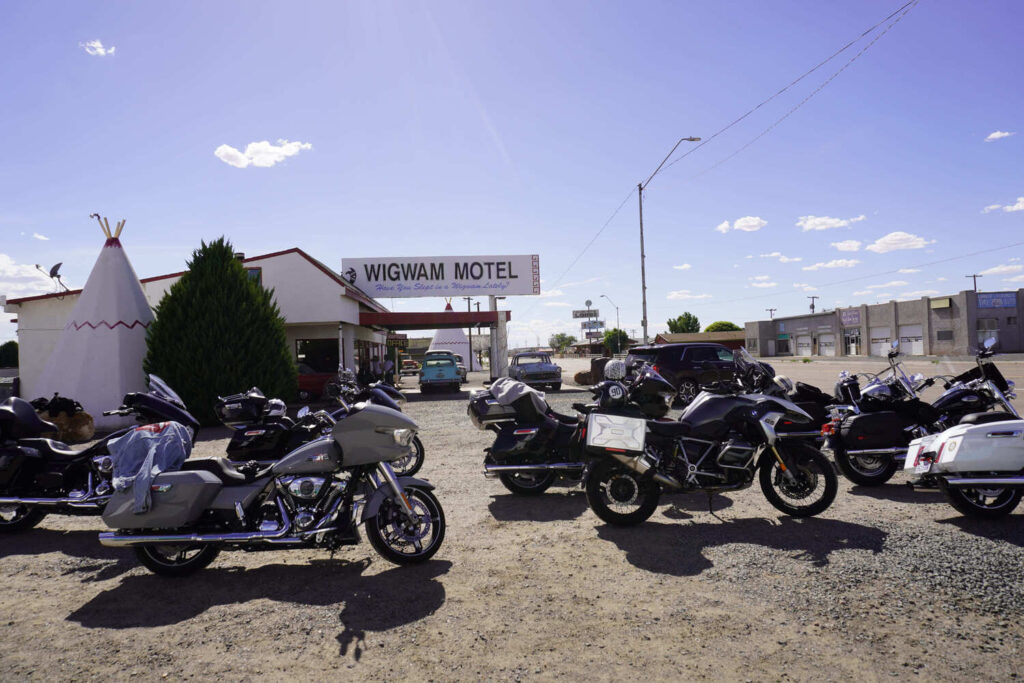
(974, 276)
(469, 308)
(812, 298)
(771, 313)
(618, 343)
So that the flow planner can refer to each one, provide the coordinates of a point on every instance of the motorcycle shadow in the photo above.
(371, 602)
(899, 493)
(431, 396)
(1007, 529)
(100, 562)
(544, 508)
(678, 549)
(681, 505)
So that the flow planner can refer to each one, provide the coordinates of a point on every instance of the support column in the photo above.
(499, 345)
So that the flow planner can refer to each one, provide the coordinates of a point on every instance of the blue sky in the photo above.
(487, 128)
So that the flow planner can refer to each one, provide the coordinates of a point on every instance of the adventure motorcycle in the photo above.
(314, 497)
(980, 467)
(718, 444)
(870, 441)
(41, 476)
(534, 445)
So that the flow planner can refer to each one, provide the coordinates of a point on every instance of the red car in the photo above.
(311, 382)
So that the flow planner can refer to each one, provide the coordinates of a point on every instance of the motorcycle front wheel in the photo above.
(176, 560)
(865, 470)
(408, 465)
(620, 496)
(528, 483)
(814, 483)
(15, 518)
(987, 503)
(402, 540)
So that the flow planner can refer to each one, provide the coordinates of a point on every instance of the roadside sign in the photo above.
(586, 313)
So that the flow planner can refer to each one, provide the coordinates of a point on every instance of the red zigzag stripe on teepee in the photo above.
(104, 323)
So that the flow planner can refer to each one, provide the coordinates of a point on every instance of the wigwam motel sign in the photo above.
(444, 275)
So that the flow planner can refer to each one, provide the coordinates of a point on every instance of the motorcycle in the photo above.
(979, 467)
(869, 441)
(720, 442)
(534, 445)
(264, 433)
(314, 497)
(41, 476)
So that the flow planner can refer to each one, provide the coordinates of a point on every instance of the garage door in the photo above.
(912, 340)
(803, 345)
(826, 344)
(880, 340)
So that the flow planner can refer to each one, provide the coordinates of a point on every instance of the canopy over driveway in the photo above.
(432, 321)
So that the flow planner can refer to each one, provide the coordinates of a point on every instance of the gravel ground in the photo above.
(886, 583)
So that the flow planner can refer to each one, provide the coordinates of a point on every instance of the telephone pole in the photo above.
(771, 313)
(469, 308)
(974, 276)
(812, 298)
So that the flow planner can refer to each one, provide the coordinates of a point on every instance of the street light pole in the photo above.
(643, 257)
(617, 342)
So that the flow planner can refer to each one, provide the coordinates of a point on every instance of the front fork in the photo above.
(388, 475)
(773, 438)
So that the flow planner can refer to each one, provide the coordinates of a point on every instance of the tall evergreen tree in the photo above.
(9, 354)
(218, 332)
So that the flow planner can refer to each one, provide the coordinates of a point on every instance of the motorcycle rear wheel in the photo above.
(986, 503)
(813, 473)
(620, 496)
(409, 465)
(865, 470)
(398, 540)
(531, 483)
(176, 560)
(17, 518)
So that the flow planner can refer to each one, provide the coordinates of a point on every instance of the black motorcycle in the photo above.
(40, 476)
(870, 439)
(264, 433)
(720, 442)
(534, 445)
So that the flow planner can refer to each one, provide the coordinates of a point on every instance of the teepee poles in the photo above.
(105, 226)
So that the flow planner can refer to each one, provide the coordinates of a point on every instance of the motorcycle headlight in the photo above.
(403, 437)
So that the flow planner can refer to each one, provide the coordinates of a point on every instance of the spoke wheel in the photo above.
(987, 503)
(865, 470)
(619, 496)
(402, 540)
(15, 518)
(410, 464)
(530, 483)
(176, 560)
(813, 485)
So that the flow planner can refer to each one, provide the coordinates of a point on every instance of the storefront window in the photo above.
(987, 328)
(851, 341)
(319, 354)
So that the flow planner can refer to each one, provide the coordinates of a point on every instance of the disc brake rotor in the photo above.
(622, 489)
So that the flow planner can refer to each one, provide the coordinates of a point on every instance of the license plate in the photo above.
(923, 467)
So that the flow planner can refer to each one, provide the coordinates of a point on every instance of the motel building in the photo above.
(954, 325)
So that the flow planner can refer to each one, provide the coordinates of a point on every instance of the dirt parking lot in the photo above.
(888, 583)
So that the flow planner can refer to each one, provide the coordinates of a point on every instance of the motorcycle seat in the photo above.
(985, 418)
(585, 408)
(50, 449)
(223, 469)
(668, 428)
(564, 419)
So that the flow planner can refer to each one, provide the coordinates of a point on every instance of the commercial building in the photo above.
(929, 326)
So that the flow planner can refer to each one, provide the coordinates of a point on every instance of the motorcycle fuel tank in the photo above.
(316, 457)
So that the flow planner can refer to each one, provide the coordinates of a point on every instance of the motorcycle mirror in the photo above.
(895, 343)
(989, 343)
(303, 412)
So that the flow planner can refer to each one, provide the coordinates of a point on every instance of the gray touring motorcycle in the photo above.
(314, 497)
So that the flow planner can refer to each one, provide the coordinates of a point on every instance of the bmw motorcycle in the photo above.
(720, 443)
(41, 476)
(314, 497)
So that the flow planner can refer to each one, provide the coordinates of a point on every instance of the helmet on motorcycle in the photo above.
(275, 408)
(615, 370)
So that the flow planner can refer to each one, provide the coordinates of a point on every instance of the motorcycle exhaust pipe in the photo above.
(972, 482)
(638, 465)
(83, 502)
(491, 470)
(114, 539)
(880, 451)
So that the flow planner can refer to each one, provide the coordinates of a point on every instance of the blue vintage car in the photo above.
(439, 371)
(536, 370)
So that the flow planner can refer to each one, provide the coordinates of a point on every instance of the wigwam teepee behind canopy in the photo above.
(98, 357)
(454, 340)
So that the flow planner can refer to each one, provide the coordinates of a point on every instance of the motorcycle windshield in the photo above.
(161, 389)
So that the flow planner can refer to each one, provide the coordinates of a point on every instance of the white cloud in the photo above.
(18, 280)
(760, 277)
(847, 245)
(898, 240)
(260, 154)
(992, 207)
(998, 135)
(745, 224)
(764, 284)
(1004, 269)
(807, 223)
(920, 292)
(894, 283)
(41, 237)
(685, 266)
(834, 263)
(863, 292)
(583, 282)
(781, 257)
(909, 270)
(1015, 258)
(560, 304)
(686, 294)
(1019, 206)
(551, 293)
(941, 279)
(803, 286)
(1016, 278)
(96, 49)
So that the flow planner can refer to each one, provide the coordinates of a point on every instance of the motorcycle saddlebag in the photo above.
(484, 409)
(886, 429)
(177, 499)
(994, 447)
(616, 433)
(240, 409)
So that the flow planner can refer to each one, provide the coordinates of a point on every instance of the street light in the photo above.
(605, 296)
(640, 192)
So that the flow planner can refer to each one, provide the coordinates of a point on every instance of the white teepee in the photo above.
(454, 340)
(98, 357)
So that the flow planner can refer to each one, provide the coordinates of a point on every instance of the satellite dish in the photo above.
(588, 302)
(55, 271)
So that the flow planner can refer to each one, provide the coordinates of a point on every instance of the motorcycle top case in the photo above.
(240, 409)
(875, 430)
(616, 433)
(176, 500)
(484, 409)
(994, 447)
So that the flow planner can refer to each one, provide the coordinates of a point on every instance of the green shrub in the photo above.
(9, 354)
(219, 332)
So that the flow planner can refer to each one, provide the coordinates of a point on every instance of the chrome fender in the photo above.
(372, 505)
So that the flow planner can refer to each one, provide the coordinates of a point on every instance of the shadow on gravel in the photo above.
(100, 563)
(1007, 529)
(677, 549)
(544, 508)
(682, 505)
(900, 493)
(438, 395)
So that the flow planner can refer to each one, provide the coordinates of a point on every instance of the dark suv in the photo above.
(688, 366)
